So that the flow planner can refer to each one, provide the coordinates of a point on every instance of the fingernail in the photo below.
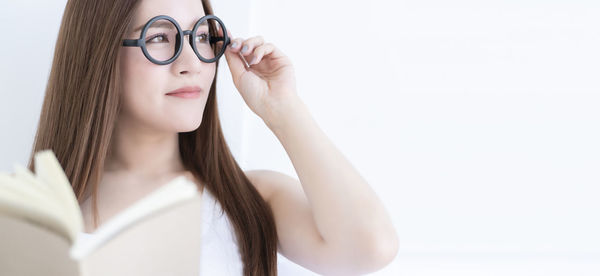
(233, 45)
(245, 48)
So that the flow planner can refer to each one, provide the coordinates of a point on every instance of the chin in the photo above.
(189, 125)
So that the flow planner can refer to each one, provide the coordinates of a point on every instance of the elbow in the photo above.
(374, 255)
(383, 251)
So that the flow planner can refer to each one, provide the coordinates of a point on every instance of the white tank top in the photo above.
(220, 255)
(219, 251)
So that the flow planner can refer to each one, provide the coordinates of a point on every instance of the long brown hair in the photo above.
(81, 107)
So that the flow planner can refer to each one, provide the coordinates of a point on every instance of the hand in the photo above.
(268, 85)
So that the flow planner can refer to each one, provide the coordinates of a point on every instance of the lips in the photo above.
(187, 89)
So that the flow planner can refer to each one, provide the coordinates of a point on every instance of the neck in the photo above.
(142, 151)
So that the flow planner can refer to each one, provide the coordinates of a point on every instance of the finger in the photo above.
(236, 44)
(235, 62)
(250, 44)
(260, 52)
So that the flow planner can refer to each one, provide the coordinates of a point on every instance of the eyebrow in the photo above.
(163, 23)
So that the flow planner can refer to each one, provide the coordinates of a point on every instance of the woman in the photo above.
(112, 118)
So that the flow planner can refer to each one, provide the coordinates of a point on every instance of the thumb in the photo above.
(236, 65)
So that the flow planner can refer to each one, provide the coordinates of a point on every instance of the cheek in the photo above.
(137, 72)
(140, 81)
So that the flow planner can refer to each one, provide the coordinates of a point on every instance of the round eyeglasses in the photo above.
(161, 39)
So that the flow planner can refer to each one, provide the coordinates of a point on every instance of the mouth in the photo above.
(186, 92)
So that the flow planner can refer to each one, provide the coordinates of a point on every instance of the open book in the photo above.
(40, 224)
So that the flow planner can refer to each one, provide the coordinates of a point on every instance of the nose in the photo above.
(187, 62)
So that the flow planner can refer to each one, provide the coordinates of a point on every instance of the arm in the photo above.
(330, 221)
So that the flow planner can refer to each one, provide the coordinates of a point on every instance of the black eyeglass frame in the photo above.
(179, 38)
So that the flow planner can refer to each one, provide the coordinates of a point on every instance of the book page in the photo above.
(20, 198)
(166, 243)
(29, 249)
(177, 190)
(49, 171)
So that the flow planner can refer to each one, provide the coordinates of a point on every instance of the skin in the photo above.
(329, 221)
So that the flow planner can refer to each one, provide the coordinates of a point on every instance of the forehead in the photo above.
(186, 12)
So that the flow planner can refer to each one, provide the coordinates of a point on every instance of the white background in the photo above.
(476, 122)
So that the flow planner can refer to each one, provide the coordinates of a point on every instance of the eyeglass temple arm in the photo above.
(132, 42)
(215, 39)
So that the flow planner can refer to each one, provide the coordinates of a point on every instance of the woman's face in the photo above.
(145, 85)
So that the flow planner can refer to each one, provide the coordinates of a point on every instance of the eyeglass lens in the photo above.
(161, 39)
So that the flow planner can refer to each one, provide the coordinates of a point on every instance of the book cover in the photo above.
(40, 222)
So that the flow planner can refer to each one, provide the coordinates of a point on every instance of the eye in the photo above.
(202, 38)
(157, 38)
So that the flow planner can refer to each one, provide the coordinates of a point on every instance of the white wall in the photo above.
(476, 122)
(29, 30)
